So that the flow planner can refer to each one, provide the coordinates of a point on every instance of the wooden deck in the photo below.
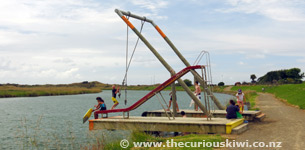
(179, 124)
(248, 115)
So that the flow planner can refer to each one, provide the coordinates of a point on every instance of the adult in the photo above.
(232, 109)
(113, 98)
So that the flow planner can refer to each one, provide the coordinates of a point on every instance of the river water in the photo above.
(51, 122)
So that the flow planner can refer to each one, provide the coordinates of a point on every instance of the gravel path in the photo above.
(283, 123)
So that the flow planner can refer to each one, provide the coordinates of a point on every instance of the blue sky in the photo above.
(66, 41)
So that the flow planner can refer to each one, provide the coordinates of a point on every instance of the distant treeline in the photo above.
(85, 84)
(287, 76)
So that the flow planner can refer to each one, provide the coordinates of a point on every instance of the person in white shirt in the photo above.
(241, 99)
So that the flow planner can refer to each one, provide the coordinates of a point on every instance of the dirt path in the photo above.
(283, 123)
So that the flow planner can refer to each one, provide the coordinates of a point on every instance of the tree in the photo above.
(253, 77)
(292, 75)
(221, 84)
(188, 82)
(244, 83)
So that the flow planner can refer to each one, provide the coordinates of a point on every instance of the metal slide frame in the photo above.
(155, 91)
(196, 75)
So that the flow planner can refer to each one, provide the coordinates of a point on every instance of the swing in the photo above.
(124, 82)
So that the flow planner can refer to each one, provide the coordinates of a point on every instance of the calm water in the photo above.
(56, 121)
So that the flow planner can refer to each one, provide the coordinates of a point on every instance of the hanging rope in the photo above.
(124, 83)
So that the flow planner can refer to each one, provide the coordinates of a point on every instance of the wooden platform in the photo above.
(198, 125)
(248, 115)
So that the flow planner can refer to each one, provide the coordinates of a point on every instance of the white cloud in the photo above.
(256, 56)
(64, 41)
(241, 63)
(59, 11)
(301, 60)
(152, 5)
(280, 10)
(256, 43)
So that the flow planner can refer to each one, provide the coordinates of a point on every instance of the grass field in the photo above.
(293, 93)
(142, 137)
(16, 91)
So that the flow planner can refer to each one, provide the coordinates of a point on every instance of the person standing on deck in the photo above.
(240, 96)
(114, 92)
(170, 103)
(197, 94)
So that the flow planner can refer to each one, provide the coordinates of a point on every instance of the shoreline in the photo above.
(54, 90)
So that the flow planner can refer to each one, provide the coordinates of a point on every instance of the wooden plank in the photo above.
(248, 115)
(198, 125)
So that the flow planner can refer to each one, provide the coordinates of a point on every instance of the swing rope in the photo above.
(124, 83)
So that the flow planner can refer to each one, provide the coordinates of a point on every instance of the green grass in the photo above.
(142, 137)
(219, 89)
(293, 93)
(30, 91)
(251, 97)
(16, 90)
(257, 88)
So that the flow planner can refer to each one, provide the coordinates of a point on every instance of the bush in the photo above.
(221, 84)
(187, 82)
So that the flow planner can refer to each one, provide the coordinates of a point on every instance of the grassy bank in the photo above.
(292, 93)
(251, 97)
(16, 90)
(219, 89)
(30, 91)
(142, 137)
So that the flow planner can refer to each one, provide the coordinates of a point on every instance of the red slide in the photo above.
(155, 91)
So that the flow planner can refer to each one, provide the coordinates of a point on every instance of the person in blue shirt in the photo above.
(231, 110)
(99, 107)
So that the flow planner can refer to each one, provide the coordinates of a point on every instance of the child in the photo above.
(170, 103)
(183, 114)
(100, 107)
(113, 98)
(197, 93)
(240, 96)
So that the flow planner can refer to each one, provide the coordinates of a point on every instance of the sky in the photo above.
(67, 41)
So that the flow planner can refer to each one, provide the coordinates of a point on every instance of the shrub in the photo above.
(221, 84)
